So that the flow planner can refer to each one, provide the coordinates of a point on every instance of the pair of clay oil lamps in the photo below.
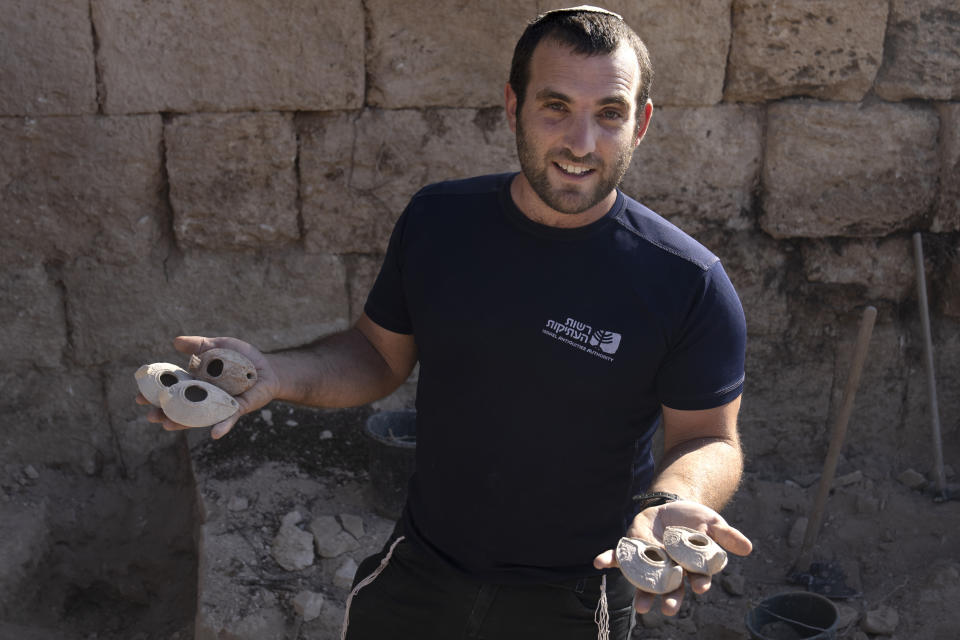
(203, 394)
(659, 569)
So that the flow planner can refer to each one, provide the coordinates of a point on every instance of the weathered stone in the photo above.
(362, 271)
(688, 44)
(734, 584)
(79, 186)
(273, 302)
(33, 331)
(53, 417)
(797, 532)
(308, 605)
(292, 547)
(922, 54)
(820, 48)
(912, 479)
(332, 541)
(848, 170)
(343, 578)
(356, 177)
(884, 267)
(232, 180)
(219, 55)
(881, 621)
(947, 217)
(757, 267)
(352, 524)
(846, 616)
(47, 53)
(699, 167)
(444, 53)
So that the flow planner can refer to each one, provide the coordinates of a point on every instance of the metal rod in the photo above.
(837, 435)
(941, 480)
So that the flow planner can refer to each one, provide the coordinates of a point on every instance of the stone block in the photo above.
(53, 417)
(48, 63)
(699, 167)
(444, 53)
(357, 177)
(224, 55)
(947, 217)
(233, 182)
(820, 48)
(885, 267)
(688, 44)
(133, 314)
(80, 186)
(33, 330)
(362, 271)
(922, 53)
(757, 267)
(848, 170)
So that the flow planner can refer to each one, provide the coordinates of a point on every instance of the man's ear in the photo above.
(510, 106)
(646, 113)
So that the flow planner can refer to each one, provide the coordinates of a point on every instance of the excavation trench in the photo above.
(100, 557)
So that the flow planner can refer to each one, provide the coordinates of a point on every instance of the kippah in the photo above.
(582, 8)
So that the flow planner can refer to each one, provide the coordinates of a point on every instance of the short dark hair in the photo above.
(588, 32)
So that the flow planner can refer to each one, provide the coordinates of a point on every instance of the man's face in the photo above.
(577, 128)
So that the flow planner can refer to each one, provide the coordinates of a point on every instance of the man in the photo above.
(557, 323)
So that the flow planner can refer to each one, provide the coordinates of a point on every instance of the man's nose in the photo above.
(581, 136)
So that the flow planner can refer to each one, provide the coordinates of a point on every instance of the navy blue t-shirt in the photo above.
(545, 355)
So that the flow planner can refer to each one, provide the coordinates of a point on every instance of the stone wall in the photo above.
(234, 168)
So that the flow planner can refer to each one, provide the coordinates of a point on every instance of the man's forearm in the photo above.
(706, 470)
(341, 370)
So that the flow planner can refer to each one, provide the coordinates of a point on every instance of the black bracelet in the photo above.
(652, 499)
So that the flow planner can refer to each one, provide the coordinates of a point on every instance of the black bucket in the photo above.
(392, 444)
(789, 616)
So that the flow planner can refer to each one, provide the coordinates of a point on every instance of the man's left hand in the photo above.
(649, 525)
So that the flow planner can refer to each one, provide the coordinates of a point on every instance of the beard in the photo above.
(570, 199)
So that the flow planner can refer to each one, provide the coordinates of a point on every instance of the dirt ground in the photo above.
(121, 562)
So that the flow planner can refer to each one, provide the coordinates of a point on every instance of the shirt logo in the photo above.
(597, 342)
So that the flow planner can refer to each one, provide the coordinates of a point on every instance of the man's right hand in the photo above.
(265, 390)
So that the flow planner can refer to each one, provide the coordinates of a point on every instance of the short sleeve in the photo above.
(704, 367)
(387, 304)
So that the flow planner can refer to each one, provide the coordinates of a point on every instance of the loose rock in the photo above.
(344, 575)
(797, 531)
(332, 541)
(912, 479)
(733, 584)
(292, 547)
(881, 621)
(308, 605)
(352, 524)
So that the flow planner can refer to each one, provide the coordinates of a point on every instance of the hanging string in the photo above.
(602, 615)
(360, 585)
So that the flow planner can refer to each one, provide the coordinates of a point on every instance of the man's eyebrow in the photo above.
(552, 94)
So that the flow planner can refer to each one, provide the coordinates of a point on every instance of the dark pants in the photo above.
(418, 596)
